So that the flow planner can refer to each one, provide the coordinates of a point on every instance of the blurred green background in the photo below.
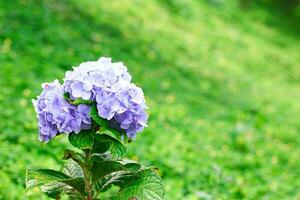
(221, 78)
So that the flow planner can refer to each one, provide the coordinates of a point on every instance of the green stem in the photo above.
(87, 175)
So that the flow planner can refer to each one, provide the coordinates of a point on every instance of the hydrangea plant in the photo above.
(101, 111)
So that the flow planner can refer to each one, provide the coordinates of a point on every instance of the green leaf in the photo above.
(79, 101)
(76, 183)
(53, 189)
(101, 169)
(117, 148)
(75, 156)
(101, 147)
(76, 101)
(143, 185)
(103, 123)
(67, 96)
(132, 166)
(44, 177)
(117, 179)
(82, 140)
(73, 195)
(72, 169)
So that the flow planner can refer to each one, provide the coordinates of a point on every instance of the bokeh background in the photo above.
(221, 78)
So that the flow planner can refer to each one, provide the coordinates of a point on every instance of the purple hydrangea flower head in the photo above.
(109, 85)
(131, 115)
(89, 77)
(56, 115)
(125, 107)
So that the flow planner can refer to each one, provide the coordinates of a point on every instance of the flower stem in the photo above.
(87, 175)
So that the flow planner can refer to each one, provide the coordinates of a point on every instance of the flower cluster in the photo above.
(88, 78)
(108, 84)
(125, 106)
(56, 115)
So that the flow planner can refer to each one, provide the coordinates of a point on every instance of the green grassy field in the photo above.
(222, 84)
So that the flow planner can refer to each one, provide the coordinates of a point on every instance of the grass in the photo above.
(222, 83)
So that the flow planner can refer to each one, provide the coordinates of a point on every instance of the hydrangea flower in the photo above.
(109, 84)
(134, 118)
(88, 78)
(125, 107)
(56, 115)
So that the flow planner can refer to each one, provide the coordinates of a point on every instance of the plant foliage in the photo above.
(96, 168)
